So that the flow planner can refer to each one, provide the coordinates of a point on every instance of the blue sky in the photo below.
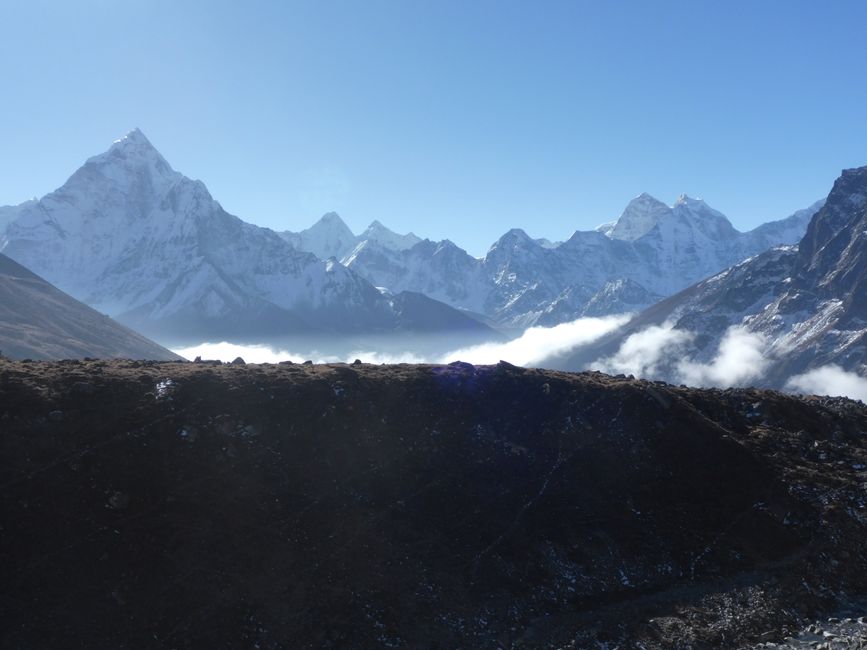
(451, 119)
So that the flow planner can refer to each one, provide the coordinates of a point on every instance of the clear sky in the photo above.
(452, 119)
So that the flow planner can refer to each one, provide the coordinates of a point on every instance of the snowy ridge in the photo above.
(652, 251)
(331, 237)
(795, 308)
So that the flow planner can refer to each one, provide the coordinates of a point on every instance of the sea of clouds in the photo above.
(659, 351)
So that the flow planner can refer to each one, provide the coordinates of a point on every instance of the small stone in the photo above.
(238, 361)
(307, 363)
(250, 430)
(225, 425)
(83, 388)
(55, 416)
(357, 362)
(118, 500)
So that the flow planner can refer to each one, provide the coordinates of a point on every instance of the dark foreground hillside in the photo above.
(148, 505)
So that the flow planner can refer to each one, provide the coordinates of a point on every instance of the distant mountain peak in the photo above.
(331, 217)
(130, 154)
(686, 199)
(379, 233)
(638, 218)
(133, 144)
(331, 221)
(517, 234)
(134, 137)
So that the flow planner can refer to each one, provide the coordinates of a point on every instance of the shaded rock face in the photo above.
(832, 260)
(314, 506)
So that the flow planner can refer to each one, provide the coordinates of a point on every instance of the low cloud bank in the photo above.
(225, 351)
(661, 351)
(657, 352)
(537, 344)
(531, 348)
(830, 380)
(742, 358)
(647, 353)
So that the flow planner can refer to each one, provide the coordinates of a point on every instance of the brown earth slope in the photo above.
(39, 321)
(351, 506)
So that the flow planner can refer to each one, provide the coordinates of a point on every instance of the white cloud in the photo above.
(225, 351)
(531, 348)
(657, 351)
(537, 344)
(740, 359)
(830, 380)
(663, 351)
(646, 353)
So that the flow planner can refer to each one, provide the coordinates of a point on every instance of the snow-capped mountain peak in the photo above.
(135, 137)
(134, 149)
(136, 239)
(331, 237)
(328, 237)
(638, 218)
(686, 199)
(388, 238)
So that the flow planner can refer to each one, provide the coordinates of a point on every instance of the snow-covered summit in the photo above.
(638, 218)
(331, 237)
(388, 238)
(133, 153)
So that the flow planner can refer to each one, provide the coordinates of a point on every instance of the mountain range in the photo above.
(788, 310)
(143, 243)
(652, 251)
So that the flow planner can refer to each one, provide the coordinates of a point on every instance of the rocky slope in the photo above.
(139, 241)
(296, 506)
(805, 304)
(38, 321)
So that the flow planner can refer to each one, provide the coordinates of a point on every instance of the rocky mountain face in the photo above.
(805, 304)
(200, 505)
(652, 251)
(133, 238)
(38, 321)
